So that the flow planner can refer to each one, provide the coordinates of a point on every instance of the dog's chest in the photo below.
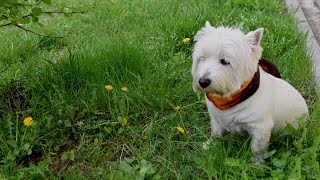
(235, 120)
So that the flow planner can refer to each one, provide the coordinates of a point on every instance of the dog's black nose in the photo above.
(204, 82)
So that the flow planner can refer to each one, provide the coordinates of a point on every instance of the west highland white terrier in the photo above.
(244, 92)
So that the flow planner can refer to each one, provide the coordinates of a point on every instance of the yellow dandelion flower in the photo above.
(124, 121)
(203, 101)
(124, 89)
(186, 40)
(181, 130)
(178, 108)
(108, 87)
(27, 121)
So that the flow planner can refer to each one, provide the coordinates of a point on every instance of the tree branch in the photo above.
(35, 32)
(57, 12)
(3, 25)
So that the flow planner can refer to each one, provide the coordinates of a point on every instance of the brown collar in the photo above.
(247, 89)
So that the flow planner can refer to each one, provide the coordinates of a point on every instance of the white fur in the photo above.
(275, 104)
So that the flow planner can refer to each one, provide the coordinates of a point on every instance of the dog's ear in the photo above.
(255, 37)
(207, 27)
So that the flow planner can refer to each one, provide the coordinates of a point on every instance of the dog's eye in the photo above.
(224, 62)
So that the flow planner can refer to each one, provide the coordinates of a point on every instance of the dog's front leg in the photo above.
(261, 133)
(216, 130)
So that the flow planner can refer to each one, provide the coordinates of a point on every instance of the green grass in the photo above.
(78, 129)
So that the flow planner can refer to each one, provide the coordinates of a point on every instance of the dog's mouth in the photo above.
(216, 92)
(207, 90)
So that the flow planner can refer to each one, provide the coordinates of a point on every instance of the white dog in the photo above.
(240, 95)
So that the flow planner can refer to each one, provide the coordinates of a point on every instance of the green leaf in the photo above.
(40, 24)
(128, 160)
(67, 10)
(36, 11)
(118, 175)
(232, 162)
(244, 175)
(26, 20)
(96, 141)
(66, 15)
(120, 131)
(122, 106)
(107, 129)
(278, 174)
(144, 168)
(269, 154)
(72, 156)
(47, 2)
(298, 145)
(2, 18)
(2, 2)
(35, 19)
(315, 164)
(29, 152)
(125, 167)
(151, 171)
(67, 123)
(158, 177)
(296, 171)
(279, 163)
(304, 134)
(64, 156)
(16, 152)
(26, 146)
(13, 21)
(12, 143)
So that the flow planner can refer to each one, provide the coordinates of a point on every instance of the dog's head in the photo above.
(223, 58)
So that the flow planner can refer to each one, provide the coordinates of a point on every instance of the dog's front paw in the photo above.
(258, 159)
(206, 144)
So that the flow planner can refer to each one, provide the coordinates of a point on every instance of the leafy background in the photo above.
(78, 128)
